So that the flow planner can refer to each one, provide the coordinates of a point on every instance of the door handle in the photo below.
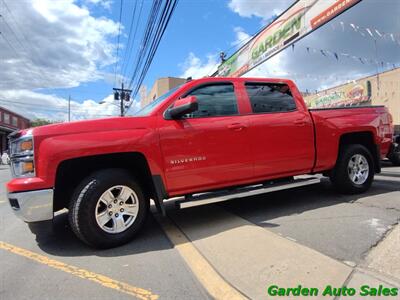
(300, 122)
(236, 126)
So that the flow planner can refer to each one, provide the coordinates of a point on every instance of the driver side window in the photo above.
(214, 100)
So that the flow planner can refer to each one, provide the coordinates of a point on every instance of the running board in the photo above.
(225, 195)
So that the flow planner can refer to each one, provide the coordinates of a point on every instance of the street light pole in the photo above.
(121, 101)
(69, 108)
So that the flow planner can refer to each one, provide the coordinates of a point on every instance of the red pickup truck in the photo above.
(206, 135)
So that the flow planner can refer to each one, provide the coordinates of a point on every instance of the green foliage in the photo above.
(41, 122)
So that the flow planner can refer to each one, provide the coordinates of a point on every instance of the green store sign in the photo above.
(287, 31)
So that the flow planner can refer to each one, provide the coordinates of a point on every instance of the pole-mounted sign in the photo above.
(300, 19)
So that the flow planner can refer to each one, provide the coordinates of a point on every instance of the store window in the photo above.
(6, 118)
(369, 89)
(14, 121)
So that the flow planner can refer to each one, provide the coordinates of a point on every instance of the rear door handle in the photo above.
(236, 126)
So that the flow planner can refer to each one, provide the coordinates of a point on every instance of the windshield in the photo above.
(145, 111)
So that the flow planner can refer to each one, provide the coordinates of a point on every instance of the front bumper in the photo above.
(33, 206)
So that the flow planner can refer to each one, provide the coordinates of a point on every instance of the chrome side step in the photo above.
(225, 195)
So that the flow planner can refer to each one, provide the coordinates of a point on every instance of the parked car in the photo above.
(5, 158)
(209, 134)
(394, 152)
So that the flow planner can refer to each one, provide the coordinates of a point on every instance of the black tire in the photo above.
(340, 174)
(82, 209)
(395, 158)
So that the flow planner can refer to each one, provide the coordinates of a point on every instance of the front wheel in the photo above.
(108, 208)
(354, 170)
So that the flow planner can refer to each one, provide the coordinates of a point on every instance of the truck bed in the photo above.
(333, 122)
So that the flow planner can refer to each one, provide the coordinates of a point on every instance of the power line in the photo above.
(13, 33)
(156, 27)
(149, 58)
(157, 35)
(16, 23)
(119, 34)
(238, 45)
(28, 106)
(145, 39)
(15, 51)
(54, 109)
(127, 61)
(9, 44)
(129, 34)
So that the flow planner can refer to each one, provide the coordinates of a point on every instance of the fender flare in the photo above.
(160, 194)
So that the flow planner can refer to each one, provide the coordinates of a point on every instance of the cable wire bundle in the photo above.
(157, 22)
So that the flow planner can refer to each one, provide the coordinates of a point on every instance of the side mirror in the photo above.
(183, 106)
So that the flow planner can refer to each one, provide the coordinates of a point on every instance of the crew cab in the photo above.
(206, 135)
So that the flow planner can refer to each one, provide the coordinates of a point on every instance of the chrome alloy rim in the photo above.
(117, 209)
(358, 169)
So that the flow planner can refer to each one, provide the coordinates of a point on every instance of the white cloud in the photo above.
(195, 67)
(263, 9)
(38, 105)
(241, 36)
(106, 4)
(274, 67)
(313, 71)
(53, 44)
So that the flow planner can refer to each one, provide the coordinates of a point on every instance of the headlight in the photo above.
(22, 158)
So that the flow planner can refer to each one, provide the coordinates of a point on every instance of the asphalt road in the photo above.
(149, 263)
(342, 227)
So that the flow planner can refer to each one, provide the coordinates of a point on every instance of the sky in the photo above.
(54, 49)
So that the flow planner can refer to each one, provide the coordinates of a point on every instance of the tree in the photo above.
(40, 122)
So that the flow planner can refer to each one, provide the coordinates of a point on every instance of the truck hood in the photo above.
(98, 125)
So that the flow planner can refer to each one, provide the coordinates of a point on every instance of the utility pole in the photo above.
(122, 95)
(69, 108)
(121, 102)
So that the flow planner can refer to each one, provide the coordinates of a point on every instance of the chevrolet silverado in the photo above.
(200, 138)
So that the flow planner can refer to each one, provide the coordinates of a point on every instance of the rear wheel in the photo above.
(108, 208)
(354, 170)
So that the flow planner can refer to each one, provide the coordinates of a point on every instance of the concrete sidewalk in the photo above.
(381, 267)
(385, 257)
(251, 258)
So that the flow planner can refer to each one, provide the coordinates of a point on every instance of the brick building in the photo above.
(160, 87)
(9, 122)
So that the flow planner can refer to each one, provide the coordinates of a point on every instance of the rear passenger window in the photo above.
(270, 97)
(214, 100)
